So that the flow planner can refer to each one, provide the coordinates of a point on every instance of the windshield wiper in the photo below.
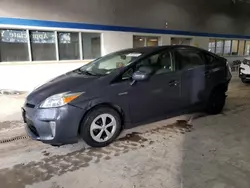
(89, 73)
(79, 71)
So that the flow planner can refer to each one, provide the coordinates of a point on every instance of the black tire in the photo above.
(85, 129)
(216, 102)
(243, 80)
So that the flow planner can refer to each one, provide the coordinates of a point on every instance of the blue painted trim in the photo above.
(43, 23)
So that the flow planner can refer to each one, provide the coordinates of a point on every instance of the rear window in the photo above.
(209, 58)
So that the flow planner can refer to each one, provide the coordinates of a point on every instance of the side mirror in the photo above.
(142, 74)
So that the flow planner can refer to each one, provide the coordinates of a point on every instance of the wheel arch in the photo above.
(115, 107)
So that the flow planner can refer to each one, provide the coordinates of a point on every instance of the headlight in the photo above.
(59, 99)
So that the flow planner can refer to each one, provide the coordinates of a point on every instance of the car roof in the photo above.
(151, 49)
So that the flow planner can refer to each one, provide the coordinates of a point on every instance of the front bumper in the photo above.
(244, 71)
(54, 126)
(243, 74)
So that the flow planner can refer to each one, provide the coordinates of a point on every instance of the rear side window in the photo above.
(209, 59)
(188, 59)
(213, 60)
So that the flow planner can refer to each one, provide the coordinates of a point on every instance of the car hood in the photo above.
(71, 81)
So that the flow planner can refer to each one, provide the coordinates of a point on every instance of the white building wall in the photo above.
(26, 76)
(113, 41)
(166, 40)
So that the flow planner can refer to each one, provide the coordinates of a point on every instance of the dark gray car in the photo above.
(125, 89)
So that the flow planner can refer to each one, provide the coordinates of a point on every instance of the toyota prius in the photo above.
(124, 89)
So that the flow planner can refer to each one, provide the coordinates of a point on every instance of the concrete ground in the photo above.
(206, 152)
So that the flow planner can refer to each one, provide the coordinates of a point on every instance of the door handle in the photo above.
(173, 83)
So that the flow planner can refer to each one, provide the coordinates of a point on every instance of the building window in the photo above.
(68, 46)
(235, 46)
(14, 45)
(43, 46)
(144, 41)
(241, 47)
(247, 48)
(139, 41)
(91, 45)
(219, 47)
(152, 41)
(181, 41)
(39, 45)
(227, 47)
(211, 45)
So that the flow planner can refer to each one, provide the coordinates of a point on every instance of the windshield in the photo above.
(107, 64)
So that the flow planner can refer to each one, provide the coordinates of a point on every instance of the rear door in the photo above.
(192, 67)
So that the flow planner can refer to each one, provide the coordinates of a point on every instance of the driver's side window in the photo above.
(160, 63)
(128, 74)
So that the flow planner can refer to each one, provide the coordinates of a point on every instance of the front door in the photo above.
(158, 96)
(155, 98)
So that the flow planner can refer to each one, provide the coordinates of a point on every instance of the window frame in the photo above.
(26, 48)
(55, 44)
(60, 55)
(133, 65)
(82, 47)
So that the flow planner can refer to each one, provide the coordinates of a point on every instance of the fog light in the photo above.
(53, 128)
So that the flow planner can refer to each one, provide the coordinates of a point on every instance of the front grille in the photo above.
(29, 105)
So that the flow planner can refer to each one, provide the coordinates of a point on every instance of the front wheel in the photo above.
(100, 127)
(216, 102)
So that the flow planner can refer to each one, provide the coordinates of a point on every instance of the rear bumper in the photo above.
(55, 126)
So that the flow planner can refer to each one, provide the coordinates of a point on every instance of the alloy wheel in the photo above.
(103, 127)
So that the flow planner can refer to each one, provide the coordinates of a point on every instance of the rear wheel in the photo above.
(100, 127)
(216, 102)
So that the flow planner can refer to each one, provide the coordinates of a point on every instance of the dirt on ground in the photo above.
(191, 151)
